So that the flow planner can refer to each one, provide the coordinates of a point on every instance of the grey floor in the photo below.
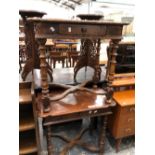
(71, 129)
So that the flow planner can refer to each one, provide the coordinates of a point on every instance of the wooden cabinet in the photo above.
(27, 136)
(122, 122)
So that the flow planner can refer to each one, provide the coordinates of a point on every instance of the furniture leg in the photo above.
(54, 63)
(102, 134)
(63, 64)
(118, 142)
(49, 143)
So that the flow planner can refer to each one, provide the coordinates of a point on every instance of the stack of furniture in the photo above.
(27, 132)
(122, 123)
(58, 103)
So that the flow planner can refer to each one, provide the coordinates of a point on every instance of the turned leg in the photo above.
(102, 134)
(48, 138)
(63, 63)
(118, 142)
(54, 62)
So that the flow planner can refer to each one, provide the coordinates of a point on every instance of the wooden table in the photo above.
(90, 33)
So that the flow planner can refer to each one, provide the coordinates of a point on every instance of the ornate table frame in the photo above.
(31, 48)
(91, 33)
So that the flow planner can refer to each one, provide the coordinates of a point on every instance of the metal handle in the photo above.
(132, 109)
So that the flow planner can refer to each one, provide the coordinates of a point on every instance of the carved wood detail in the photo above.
(49, 142)
(112, 53)
(102, 134)
(89, 56)
(71, 89)
(44, 78)
(31, 45)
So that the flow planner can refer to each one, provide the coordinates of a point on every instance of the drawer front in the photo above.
(129, 110)
(126, 123)
(126, 131)
(91, 30)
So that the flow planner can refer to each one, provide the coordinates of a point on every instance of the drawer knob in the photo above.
(83, 30)
(132, 109)
(128, 130)
(95, 111)
(130, 120)
(52, 29)
(90, 112)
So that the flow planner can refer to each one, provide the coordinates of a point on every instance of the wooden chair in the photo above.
(57, 57)
(73, 57)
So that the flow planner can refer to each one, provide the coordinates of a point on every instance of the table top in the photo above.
(50, 20)
(74, 103)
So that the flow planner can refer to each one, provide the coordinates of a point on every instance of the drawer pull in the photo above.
(95, 111)
(130, 120)
(52, 29)
(132, 109)
(90, 112)
(128, 130)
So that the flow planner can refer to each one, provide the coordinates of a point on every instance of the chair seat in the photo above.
(74, 106)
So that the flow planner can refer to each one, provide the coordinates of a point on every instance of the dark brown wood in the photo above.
(71, 29)
(90, 16)
(27, 143)
(89, 57)
(30, 43)
(44, 82)
(102, 134)
(57, 56)
(111, 68)
(73, 57)
(49, 143)
(26, 122)
(54, 106)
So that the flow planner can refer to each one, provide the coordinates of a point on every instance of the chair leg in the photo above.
(118, 142)
(54, 62)
(63, 63)
(49, 143)
(102, 134)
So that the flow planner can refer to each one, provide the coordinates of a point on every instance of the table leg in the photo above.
(102, 134)
(118, 142)
(49, 143)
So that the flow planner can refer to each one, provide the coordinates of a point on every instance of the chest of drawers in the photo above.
(122, 122)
